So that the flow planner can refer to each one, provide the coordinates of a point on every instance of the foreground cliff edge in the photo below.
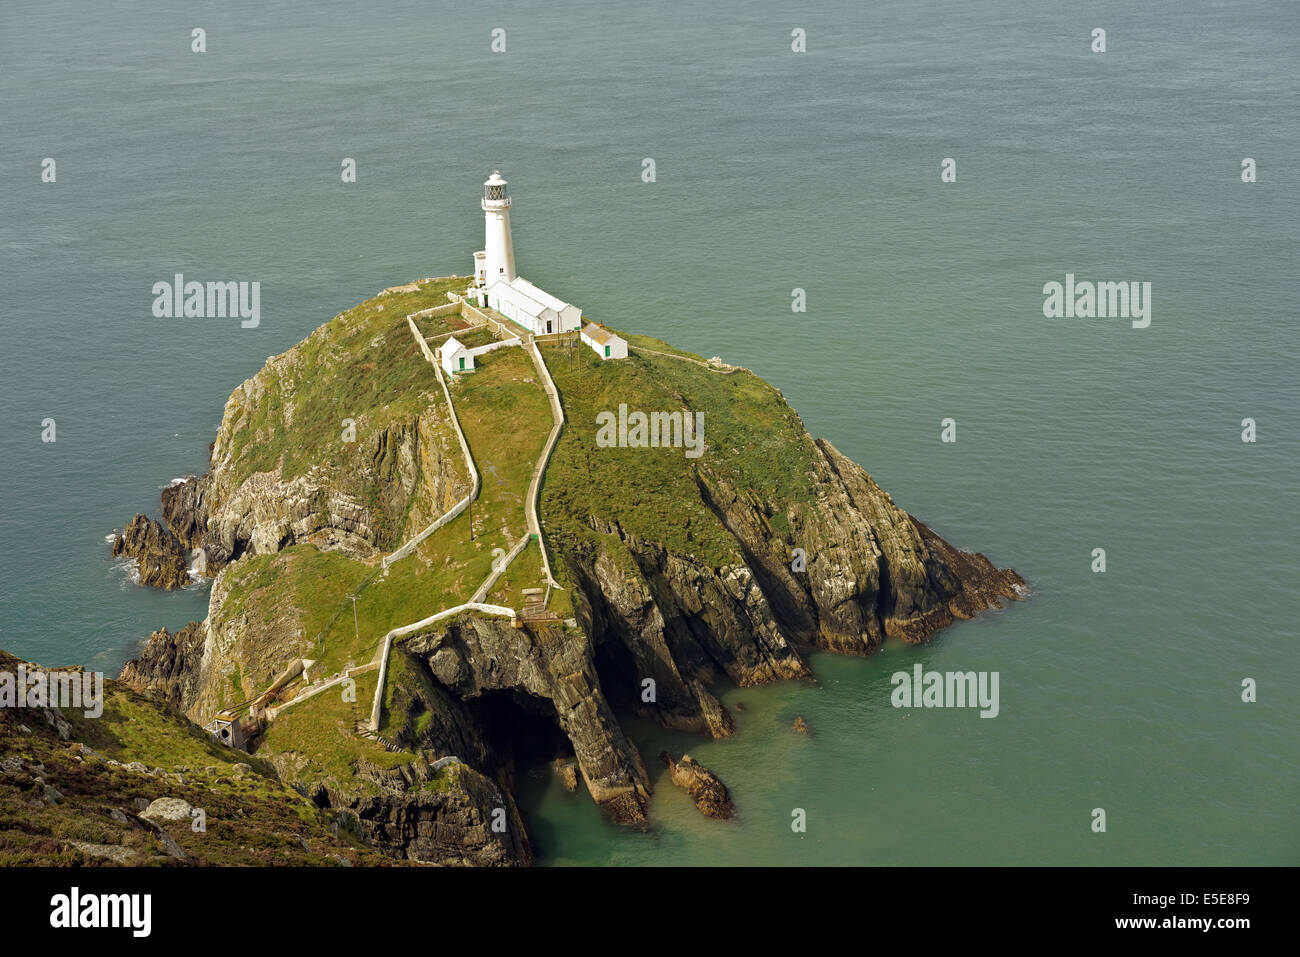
(347, 501)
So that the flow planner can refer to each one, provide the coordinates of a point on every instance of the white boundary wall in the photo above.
(463, 504)
(416, 626)
(535, 488)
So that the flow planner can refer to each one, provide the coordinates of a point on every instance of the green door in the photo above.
(607, 352)
(462, 362)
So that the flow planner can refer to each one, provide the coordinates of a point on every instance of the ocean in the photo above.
(773, 171)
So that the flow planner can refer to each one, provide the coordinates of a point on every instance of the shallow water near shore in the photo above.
(1118, 690)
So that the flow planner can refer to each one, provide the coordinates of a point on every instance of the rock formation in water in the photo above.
(681, 572)
(159, 556)
(706, 790)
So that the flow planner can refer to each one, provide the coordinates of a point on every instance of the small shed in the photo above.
(455, 357)
(227, 728)
(606, 343)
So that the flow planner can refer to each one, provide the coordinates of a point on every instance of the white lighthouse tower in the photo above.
(497, 261)
(496, 284)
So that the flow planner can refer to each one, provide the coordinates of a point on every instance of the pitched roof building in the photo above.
(606, 343)
(455, 357)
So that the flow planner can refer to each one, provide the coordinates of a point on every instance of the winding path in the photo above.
(531, 508)
(463, 504)
(531, 505)
(476, 602)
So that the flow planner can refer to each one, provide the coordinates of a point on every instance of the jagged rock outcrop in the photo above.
(553, 669)
(452, 815)
(159, 556)
(266, 513)
(708, 792)
(168, 666)
(870, 570)
(185, 509)
(405, 474)
(683, 625)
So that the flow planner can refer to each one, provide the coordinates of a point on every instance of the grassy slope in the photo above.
(506, 418)
(251, 817)
(364, 365)
(321, 730)
(751, 436)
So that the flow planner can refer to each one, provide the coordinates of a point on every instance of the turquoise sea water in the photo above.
(774, 171)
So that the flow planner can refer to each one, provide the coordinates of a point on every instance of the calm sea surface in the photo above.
(774, 171)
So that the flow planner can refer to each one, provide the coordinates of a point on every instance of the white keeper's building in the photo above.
(606, 343)
(499, 287)
(455, 357)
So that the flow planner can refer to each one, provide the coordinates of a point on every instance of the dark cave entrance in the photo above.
(521, 728)
(619, 676)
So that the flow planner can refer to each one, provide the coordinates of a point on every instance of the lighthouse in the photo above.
(498, 258)
(498, 287)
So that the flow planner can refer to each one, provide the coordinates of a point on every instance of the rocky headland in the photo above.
(676, 573)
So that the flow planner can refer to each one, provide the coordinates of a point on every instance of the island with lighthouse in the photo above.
(464, 529)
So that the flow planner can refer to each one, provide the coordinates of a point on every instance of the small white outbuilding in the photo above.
(607, 344)
(455, 357)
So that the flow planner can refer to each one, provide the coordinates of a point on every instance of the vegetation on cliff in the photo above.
(76, 790)
(751, 435)
(678, 569)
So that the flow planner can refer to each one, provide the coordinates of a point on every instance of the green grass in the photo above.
(363, 365)
(321, 730)
(506, 418)
(251, 817)
(444, 780)
(473, 338)
(635, 341)
(753, 439)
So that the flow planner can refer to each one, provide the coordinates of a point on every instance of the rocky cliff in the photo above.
(167, 669)
(681, 573)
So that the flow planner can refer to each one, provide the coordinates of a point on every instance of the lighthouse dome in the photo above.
(495, 195)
